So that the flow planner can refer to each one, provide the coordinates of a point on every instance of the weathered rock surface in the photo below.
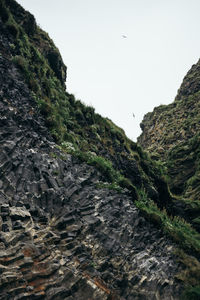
(171, 125)
(62, 237)
(171, 134)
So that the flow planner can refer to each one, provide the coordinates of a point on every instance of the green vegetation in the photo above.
(189, 275)
(110, 186)
(4, 12)
(177, 228)
(70, 121)
(183, 166)
(190, 272)
(104, 166)
(97, 141)
(192, 293)
(186, 238)
(171, 135)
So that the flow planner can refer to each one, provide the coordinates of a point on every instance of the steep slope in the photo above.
(171, 134)
(169, 125)
(71, 184)
(73, 125)
(61, 236)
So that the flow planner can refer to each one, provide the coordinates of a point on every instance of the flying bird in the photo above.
(124, 36)
(133, 115)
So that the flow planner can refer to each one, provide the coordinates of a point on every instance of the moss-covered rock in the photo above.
(72, 146)
(171, 134)
(68, 119)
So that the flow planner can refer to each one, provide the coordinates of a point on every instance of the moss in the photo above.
(71, 121)
(177, 228)
(189, 273)
(104, 166)
(183, 168)
(196, 221)
(4, 12)
(112, 186)
(8, 19)
(13, 29)
(22, 64)
(192, 293)
(81, 132)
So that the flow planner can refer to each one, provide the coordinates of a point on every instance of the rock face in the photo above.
(72, 124)
(71, 183)
(191, 82)
(170, 125)
(171, 134)
(61, 236)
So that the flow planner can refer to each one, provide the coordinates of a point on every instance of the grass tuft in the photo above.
(175, 227)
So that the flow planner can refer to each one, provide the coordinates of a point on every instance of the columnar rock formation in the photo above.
(70, 181)
(61, 236)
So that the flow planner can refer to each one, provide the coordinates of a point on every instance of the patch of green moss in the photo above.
(4, 12)
(112, 186)
(177, 228)
(192, 293)
(104, 166)
(189, 274)
(183, 166)
(69, 120)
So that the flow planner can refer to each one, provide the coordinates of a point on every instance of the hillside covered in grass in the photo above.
(85, 213)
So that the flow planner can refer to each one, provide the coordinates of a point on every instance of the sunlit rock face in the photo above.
(62, 235)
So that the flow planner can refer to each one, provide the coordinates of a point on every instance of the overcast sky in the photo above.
(121, 76)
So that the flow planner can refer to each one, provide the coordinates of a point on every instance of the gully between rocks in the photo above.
(61, 236)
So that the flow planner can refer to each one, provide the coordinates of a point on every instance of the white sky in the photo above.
(121, 76)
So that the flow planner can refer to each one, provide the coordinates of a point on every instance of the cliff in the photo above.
(171, 134)
(84, 211)
(170, 125)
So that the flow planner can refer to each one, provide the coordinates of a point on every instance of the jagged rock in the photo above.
(171, 134)
(62, 236)
(57, 65)
(19, 213)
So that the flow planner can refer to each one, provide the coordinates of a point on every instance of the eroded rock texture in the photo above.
(171, 134)
(171, 125)
(62, 237)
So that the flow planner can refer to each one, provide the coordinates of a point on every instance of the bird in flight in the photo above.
(124, 36)
(133, 115)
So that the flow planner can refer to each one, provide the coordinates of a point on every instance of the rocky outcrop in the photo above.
(170, 125)
(171, 134)
(70, 122)
(191, 82)
(57, 65)
(61, 236)
(71, 184)
(173, 124)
